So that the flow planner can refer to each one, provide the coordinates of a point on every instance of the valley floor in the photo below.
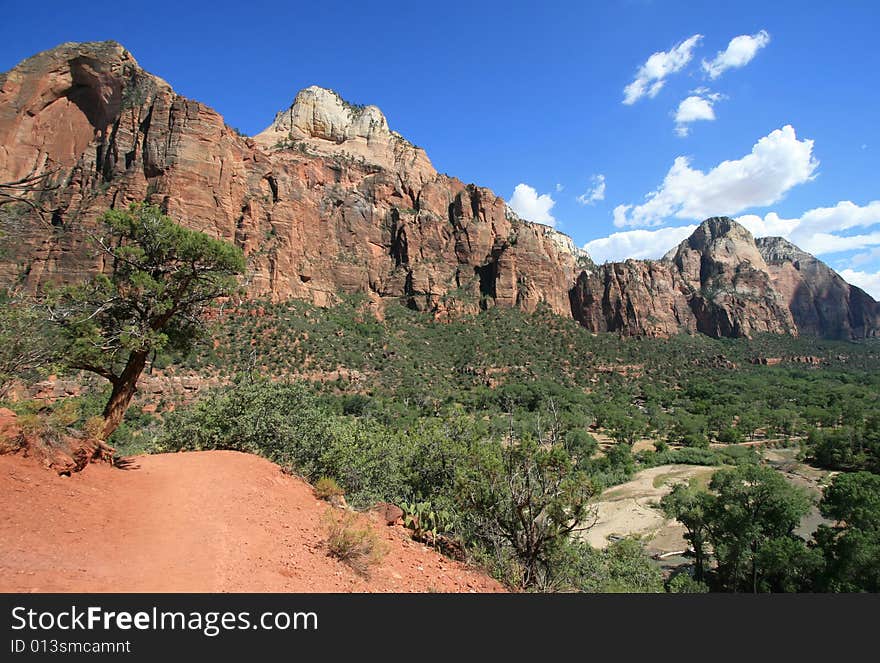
(630, 509)
(214, 521)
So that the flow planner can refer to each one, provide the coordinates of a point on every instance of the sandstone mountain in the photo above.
(329, 200)
(821, 302)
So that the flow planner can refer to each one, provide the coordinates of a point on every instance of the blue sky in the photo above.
(509, 94)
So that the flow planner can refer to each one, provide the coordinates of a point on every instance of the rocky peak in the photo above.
(822, 303)
(778, 250)
(718, 245)
(722, 239)
(317, 112)
(320, 121)
(56, 103)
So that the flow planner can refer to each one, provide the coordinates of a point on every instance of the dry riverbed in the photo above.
(630, 509)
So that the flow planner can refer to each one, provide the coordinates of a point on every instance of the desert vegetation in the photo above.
(511, 424)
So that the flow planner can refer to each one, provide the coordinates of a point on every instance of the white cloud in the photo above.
(817, 230)
(651, 76)
(697, 107)
(639, 244)
(559, 187)
(739, 52)
(867, 281)
(866, 257)
(777, 162)
(596, 191)
(529, 205)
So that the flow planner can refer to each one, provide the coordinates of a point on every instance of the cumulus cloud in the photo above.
(651, 76)
(559, 187)
(818, 231)
(777, 162)
(529, 205)
(699, 106)
(596, 191)
(739, 52)
(640, 244)
(867, 281)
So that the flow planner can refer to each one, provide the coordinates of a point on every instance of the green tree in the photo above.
(690, 507)
(689, 431)
(623, 566)
(852, 547)
(627, 428)
(787, 564)
(753, 505)
(160, 279)
(279, 420)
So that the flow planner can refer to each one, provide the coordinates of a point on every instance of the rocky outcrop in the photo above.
(321, 121)
(636, 297)
(731, 289)
(329, 200)
(715, 282)
(820, 301)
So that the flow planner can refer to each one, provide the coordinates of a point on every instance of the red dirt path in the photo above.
(212, 521)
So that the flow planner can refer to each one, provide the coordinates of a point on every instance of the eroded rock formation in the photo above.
(329, 200)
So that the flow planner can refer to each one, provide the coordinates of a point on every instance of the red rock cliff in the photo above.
(328, 200)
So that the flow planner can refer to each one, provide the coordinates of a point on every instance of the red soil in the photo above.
(214, 521)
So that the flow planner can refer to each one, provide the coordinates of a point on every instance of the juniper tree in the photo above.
(158, 280)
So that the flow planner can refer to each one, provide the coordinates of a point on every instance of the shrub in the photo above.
(683, 583)
(354, 543)
(326, 488)
(621, 567)
(280, 421)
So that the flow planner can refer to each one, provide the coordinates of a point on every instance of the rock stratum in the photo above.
(328, 200)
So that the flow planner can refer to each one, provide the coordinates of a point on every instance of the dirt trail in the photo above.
(215, 521)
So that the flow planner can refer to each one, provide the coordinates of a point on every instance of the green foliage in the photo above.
(786, 564)
(367, 458)
(623, 566)
(424, 520)
(281, 421)
(525, 497)
(850, 447)
(162, 276)
(753, 507)
(26, 343)
(851, 548)
(691, 508)
(682, 583)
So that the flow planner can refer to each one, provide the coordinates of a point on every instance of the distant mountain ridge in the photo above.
(329, 200)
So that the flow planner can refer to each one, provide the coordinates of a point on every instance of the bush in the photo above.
(326, 488)
(683, 583)
(621, 567)
(281, 421)
(354, 543)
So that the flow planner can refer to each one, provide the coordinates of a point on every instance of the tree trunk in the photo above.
(698, 553)
(754, 568)
(124, 388)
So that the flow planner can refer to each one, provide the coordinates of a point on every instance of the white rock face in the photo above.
(322, 122)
